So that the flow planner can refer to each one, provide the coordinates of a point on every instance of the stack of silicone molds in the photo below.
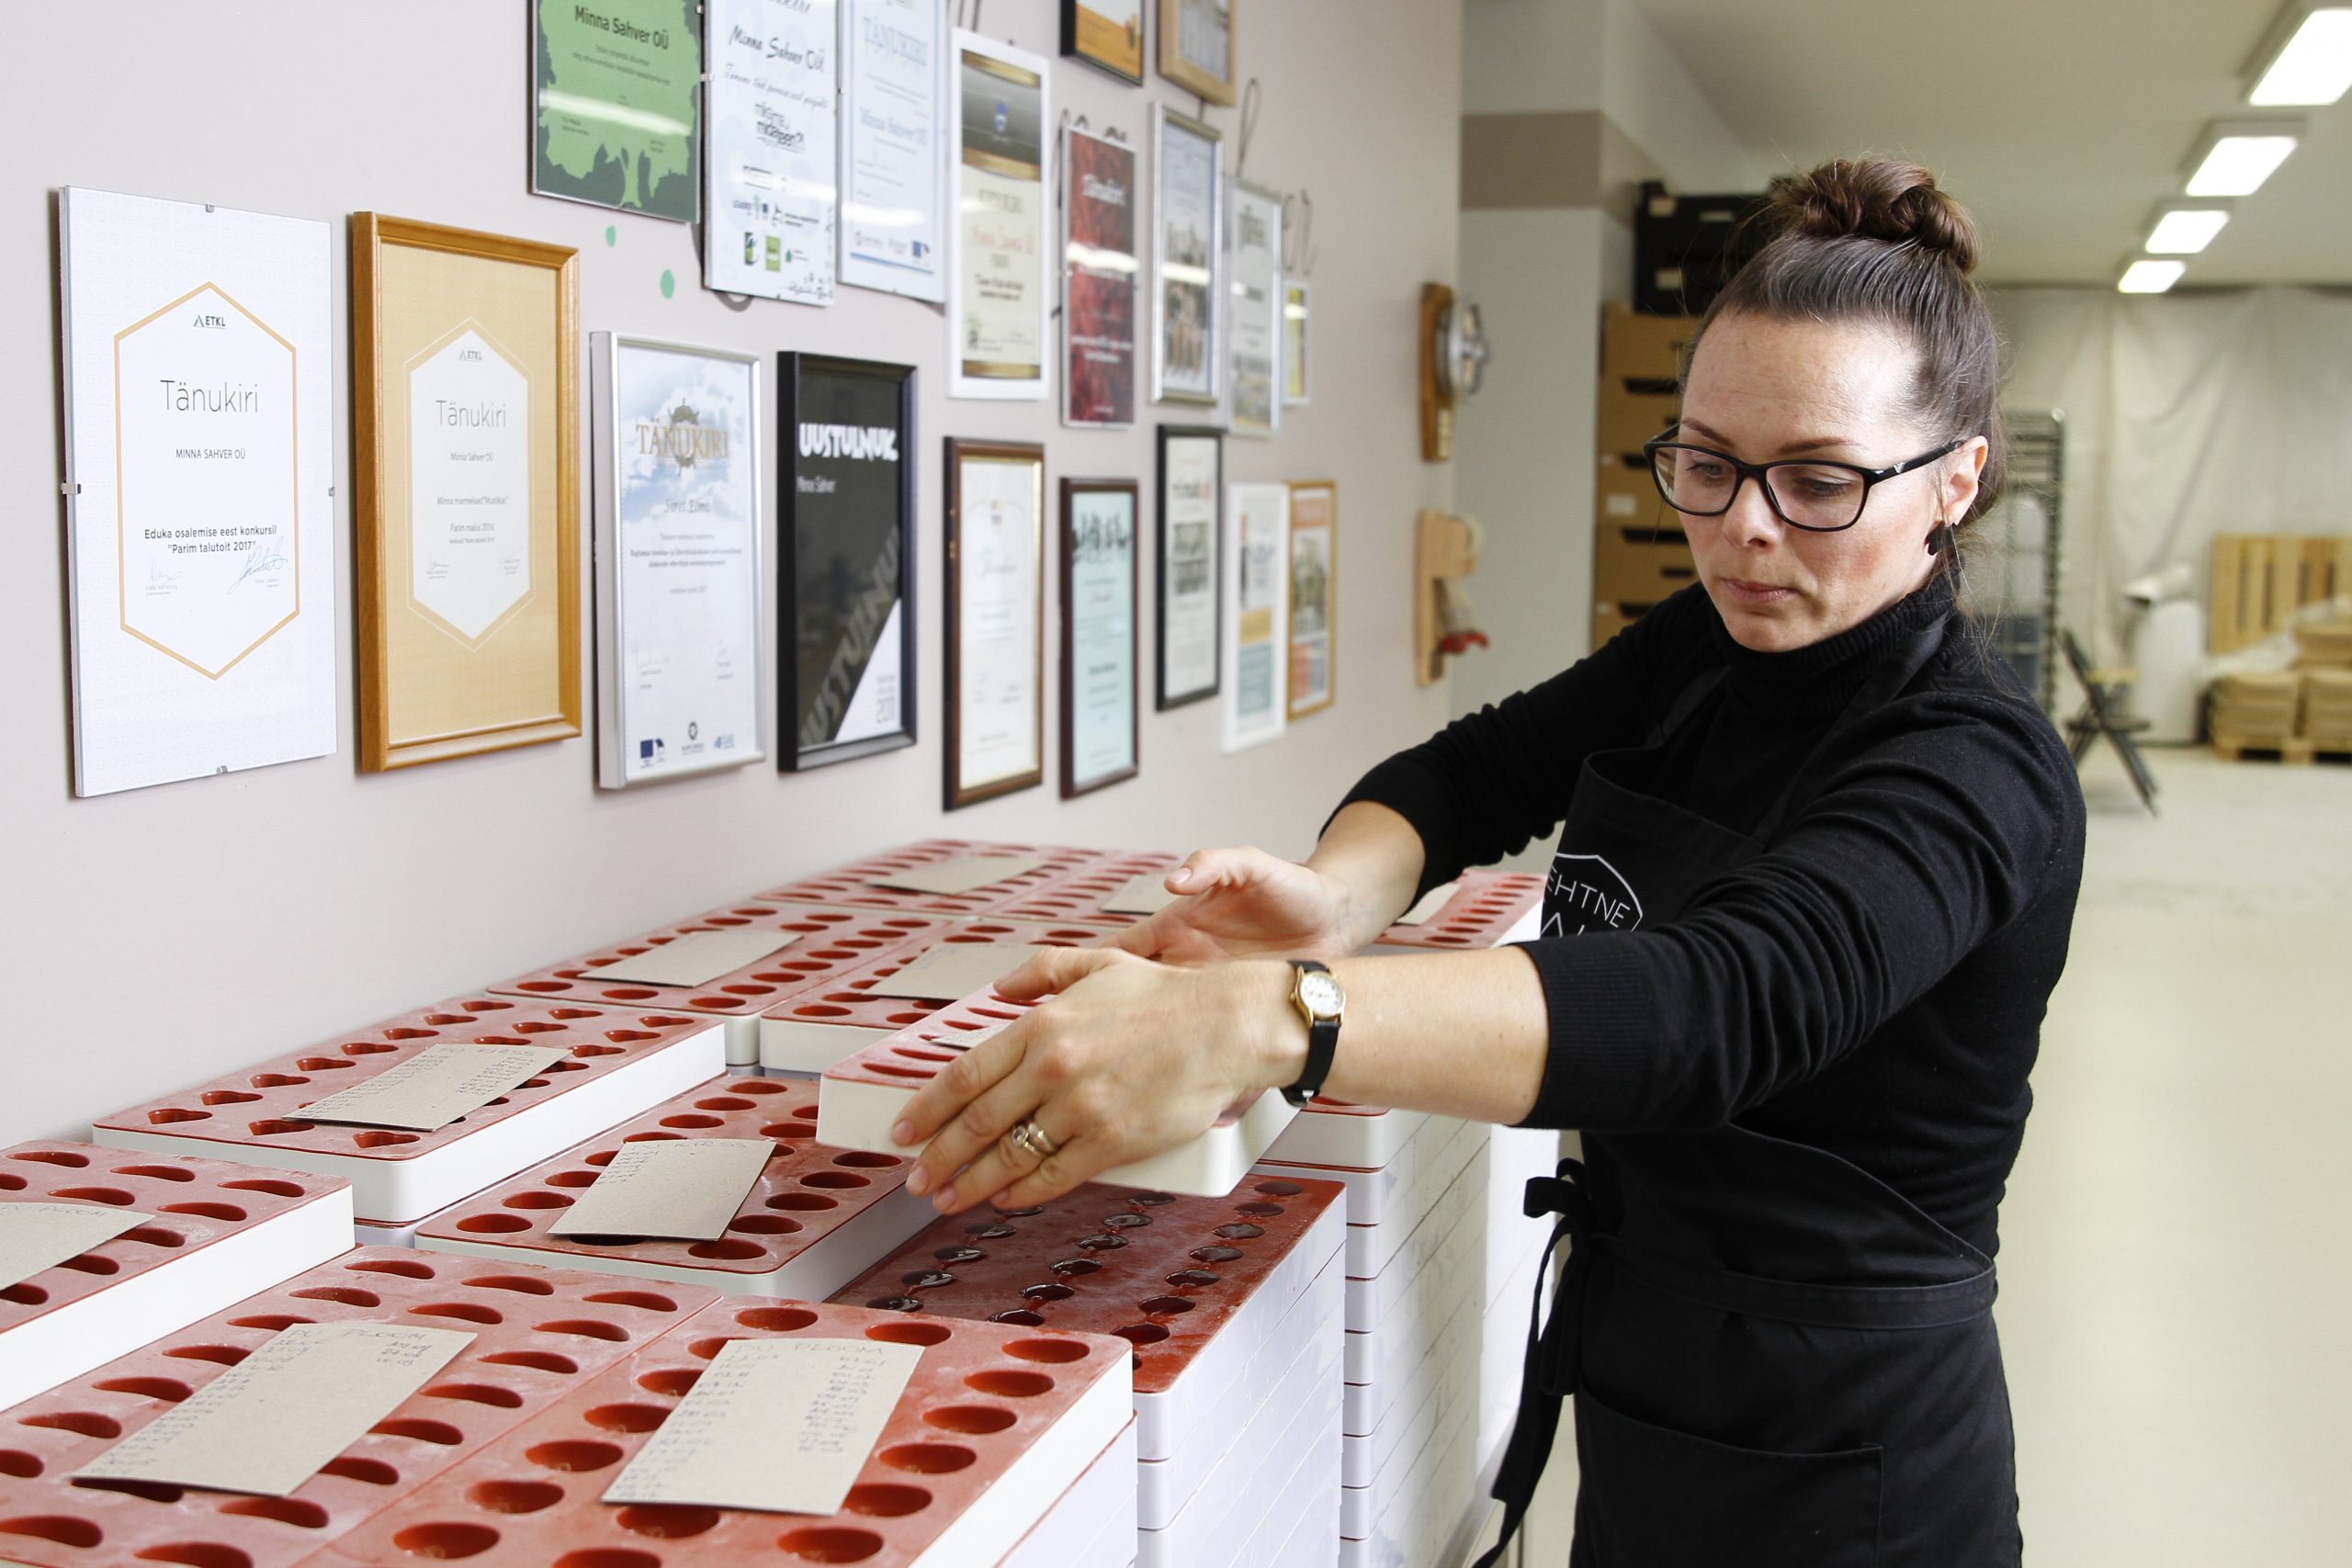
(860, 1099)
(218, 1232)
(1490, 908)
(1081, 895)
(1095, 1520)
(539, 1334)
(996, 1427)
(619, 1063)
(854, 886)
(814, 1218)
(820, 1022)
(827, 943)
(1235, 1307)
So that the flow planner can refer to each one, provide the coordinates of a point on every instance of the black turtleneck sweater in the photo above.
(1873, 982)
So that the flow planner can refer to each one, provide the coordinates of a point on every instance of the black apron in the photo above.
(1777, 1359)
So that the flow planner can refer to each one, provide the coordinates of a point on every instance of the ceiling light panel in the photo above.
(2184, 230)
(2151, 276)
(2236, 157)
(2311, 62)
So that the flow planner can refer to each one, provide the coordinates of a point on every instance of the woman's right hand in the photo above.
(1244, 903)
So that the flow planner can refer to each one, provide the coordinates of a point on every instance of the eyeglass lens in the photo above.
(1811, 495)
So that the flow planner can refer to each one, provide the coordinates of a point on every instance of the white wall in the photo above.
(154, 938)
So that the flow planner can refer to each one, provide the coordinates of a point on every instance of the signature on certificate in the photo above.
(260, 559)
(160, 582)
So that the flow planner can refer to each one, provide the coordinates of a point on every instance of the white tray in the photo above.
(1095, 1519)
(1350, 1139)
(1222, 1523)
(1452, 1235)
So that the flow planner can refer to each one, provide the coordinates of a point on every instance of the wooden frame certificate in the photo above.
(1196, 47)
(464, 402)
(1191, 488)
(1257, 591)
(772, 168)
(677, 467)
(894, 127)
(845, 652)
(1314, 578)
(1100, 725)
(1107, 35)
(1187, 260)
(1098, 281)
(996, 618)
(1255, 334)
(996, 306)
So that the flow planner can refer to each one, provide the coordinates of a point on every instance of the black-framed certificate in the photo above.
(1099, 720)
(1187, 257)
(996, 618)
(1192, 483)
(846, 531)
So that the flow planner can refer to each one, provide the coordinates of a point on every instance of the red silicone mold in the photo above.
(258, 1107)
(805, 1194)
(981, 1397)
(842, 997)
(1160, 1271)
(913, 1056)
(1483, 908)
(540, 1333)
(195, 1204)
(1081, 895)
(853, 884)
(831, 942)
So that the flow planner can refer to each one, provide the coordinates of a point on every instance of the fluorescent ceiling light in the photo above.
(2308, 58)
(2236, 157)
(2184, 230)
(2151, 276)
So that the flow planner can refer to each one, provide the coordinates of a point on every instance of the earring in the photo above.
(1939, 539)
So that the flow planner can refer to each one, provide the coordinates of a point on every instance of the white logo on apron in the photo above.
(1583, 893)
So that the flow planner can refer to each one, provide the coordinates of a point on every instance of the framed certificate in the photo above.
(1255, 335)
(845, 653)
(199, 449)
(675, 442)
(893, 138)
(770, 170)
(465, 397)
(1100, 725)
(1106, 34)
(616, 100)
(1297, 385)
(996, 620)
(1256, 592)
(1191, 486)
(1187, 257)
(997, 307)
(1314, 538)
(1196, 47)
(1098, 281)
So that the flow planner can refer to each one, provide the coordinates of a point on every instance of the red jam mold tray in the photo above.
(1489, 908)
(996, 1424)
(860, 1098)
(1081, 895)
(830, 941)
(220, 1231)
(853, 885)
(539, 1334)
(814, 1219)
(619, 1063)
(823, 1021)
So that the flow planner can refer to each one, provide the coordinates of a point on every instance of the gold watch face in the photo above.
(1320, 994)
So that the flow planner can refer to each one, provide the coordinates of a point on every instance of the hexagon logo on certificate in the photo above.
(469, 484)
(204, 448)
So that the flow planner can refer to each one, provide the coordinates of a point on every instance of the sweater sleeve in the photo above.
(1939, 822)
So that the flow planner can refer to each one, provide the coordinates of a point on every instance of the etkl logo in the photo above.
(466, 356)
(211, 323)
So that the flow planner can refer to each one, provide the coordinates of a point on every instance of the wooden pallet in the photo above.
(2259, 580)
(2288, 748)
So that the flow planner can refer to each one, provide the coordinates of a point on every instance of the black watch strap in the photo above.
(1322, 1043)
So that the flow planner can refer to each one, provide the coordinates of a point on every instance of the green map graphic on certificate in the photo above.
(617, 103)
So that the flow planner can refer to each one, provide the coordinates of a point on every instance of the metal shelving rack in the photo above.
(2014, 591)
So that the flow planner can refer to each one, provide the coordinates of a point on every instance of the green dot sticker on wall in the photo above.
(668, 283)
(612, 236)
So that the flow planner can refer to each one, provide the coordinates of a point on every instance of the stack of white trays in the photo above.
(1095, 1520)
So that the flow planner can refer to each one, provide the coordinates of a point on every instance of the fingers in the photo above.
(1055, 969)
(995, 1168)
(1205, 869)
(1079, 1161)
(958, 1084)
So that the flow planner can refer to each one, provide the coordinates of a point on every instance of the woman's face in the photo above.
(1765, 389)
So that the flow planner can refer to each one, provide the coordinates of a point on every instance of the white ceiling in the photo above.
(2061, 123)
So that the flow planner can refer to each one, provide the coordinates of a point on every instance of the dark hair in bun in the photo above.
(1873, 238)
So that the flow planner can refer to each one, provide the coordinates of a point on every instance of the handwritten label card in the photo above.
(955, 969)
(778, 1425)
(698, 957)
(1145, 895)
(435, 1087)
(962, 875)
(34, 1236)
(1429, 904)
(272, 1421)
(684, 1189)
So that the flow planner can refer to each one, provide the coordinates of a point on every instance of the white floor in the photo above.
(2176, 1245)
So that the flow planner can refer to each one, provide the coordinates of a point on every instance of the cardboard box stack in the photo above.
(2255, 709)
(1639, 554)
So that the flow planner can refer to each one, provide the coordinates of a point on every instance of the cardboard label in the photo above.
(34, 1236)
(1145, 895)
(435, 1087)
(698, 957)
(683, 1188)
(1429, 905)
(274, 1419)
(956, 969)
(962, 875)
(783, 1426)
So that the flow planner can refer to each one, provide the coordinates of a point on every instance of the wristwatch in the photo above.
(1316, 992)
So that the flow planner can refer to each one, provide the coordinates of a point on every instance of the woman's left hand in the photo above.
(1130, 1058)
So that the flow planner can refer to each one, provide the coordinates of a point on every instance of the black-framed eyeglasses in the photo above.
(1811, 493)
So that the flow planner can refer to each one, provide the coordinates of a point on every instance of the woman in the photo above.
(1814, 886)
